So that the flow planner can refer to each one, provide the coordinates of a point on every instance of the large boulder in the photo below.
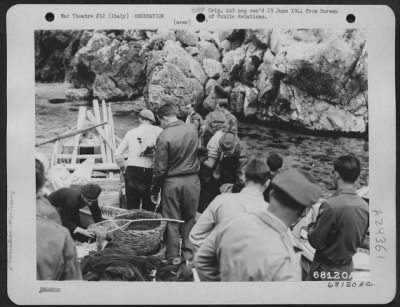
(120, 61)
(167, 83)
(316, 79)
(295, 106)
(207, 50)
(173, 53)
(187, 37)
(212, 68)
(105, 88)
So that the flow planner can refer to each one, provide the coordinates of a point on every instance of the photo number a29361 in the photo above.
(380, 238)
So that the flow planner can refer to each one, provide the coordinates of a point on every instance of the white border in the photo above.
(22, 20)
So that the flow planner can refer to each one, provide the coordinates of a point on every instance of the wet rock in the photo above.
(212, 68)
(78, 94)
(104, 87)
(187, 37)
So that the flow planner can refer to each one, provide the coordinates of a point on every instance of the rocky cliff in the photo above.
(309, 78)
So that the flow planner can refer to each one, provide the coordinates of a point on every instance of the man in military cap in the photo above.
(256, 246)
(226, 160)
(140, 143)
(68, 201)
(228, 205)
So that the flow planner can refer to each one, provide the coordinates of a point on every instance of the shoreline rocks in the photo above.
(315, 79)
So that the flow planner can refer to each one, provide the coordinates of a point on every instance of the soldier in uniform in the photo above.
(256, 246)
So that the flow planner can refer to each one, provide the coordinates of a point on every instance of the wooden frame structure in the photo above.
(99, 143)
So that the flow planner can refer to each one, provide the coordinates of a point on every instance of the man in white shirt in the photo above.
(140, 143)
(228, 205)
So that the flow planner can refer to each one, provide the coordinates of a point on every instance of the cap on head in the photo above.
(257, 169)
(297, 186)
(227, 142)
(147, 114)
(91, 190)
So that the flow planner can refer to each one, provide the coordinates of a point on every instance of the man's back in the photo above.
(341, 227)
(180, 143)
(249, 247)
(223, 208)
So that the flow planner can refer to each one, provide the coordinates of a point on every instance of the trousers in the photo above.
(179, 200)
(137, 187)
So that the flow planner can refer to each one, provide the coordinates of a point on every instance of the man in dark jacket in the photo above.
(341, 225)
(274, 162)
(175, 171)
(68, 201)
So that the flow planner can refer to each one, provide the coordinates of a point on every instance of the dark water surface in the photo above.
(314, 154)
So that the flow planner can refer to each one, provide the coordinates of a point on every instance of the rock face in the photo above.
(53, 49)
(310, 78)
(173, 76)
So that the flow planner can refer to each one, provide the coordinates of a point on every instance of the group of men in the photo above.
(248, 208)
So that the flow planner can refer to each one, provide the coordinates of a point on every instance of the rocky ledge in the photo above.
(313, 79)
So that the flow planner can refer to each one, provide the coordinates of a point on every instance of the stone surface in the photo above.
(310, 78)
(212, 68)
(187, 38)
(78, 94)
(167, 82)
(104, 87)
(207, 50)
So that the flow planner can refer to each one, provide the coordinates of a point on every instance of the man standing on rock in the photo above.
(176, 168)
(193, 117)
(341, 225)
(140, 143)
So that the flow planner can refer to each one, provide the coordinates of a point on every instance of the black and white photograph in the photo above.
(203, 156)
(193, 130)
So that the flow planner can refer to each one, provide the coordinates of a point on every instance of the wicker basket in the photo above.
(144, 237)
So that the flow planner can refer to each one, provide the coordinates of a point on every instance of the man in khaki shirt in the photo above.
(229, 205)
(257, 246)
